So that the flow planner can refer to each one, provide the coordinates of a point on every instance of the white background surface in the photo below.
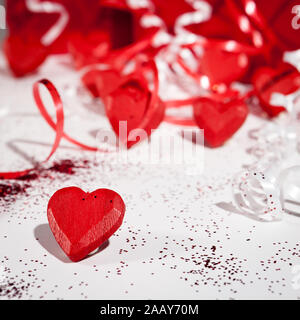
(177, 240)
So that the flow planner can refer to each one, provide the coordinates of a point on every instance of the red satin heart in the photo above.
(24, 54)
(90, 48)
(218, 119)
(223, 67)
(81, 222)
(101, 82)
(285, 79)
(132, 102)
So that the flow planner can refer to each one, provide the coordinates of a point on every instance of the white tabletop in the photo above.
(181, 237)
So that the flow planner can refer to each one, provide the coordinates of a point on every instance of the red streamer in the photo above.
(58, 127)
(262, 48)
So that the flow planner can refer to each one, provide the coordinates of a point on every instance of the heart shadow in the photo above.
(45, 238)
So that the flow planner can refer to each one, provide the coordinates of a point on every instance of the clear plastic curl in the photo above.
(270, 188)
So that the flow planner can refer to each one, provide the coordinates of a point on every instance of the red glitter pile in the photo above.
(65, 166)
(9, 191)
(13, 290)
(68, 166)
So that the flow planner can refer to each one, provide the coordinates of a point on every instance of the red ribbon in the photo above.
(58, 126)
(256, 27)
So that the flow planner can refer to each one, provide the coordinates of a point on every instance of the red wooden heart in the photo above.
(82, 221)
(285, 79)
(218, 119)
(132, 102)
(24, 55)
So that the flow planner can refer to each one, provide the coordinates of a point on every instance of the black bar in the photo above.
(141, 309)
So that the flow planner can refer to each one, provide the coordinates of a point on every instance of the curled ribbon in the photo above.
(185, 40)
(289, 191)
(263, 191)
(265, 195)
(58, 126)
(254, 193)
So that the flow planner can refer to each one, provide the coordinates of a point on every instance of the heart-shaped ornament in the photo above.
(219, 120)
(132, 103)
(82, 221)
(101, 82)
(223, 67)
(24, 54)
(89, 49)
(285, 80)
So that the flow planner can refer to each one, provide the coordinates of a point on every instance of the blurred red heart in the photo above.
(284, 79)
(220, 120)
(132, 102)
(24, 54)
(223, 67)
(89, 48)
(101, 82)
(82, 221)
